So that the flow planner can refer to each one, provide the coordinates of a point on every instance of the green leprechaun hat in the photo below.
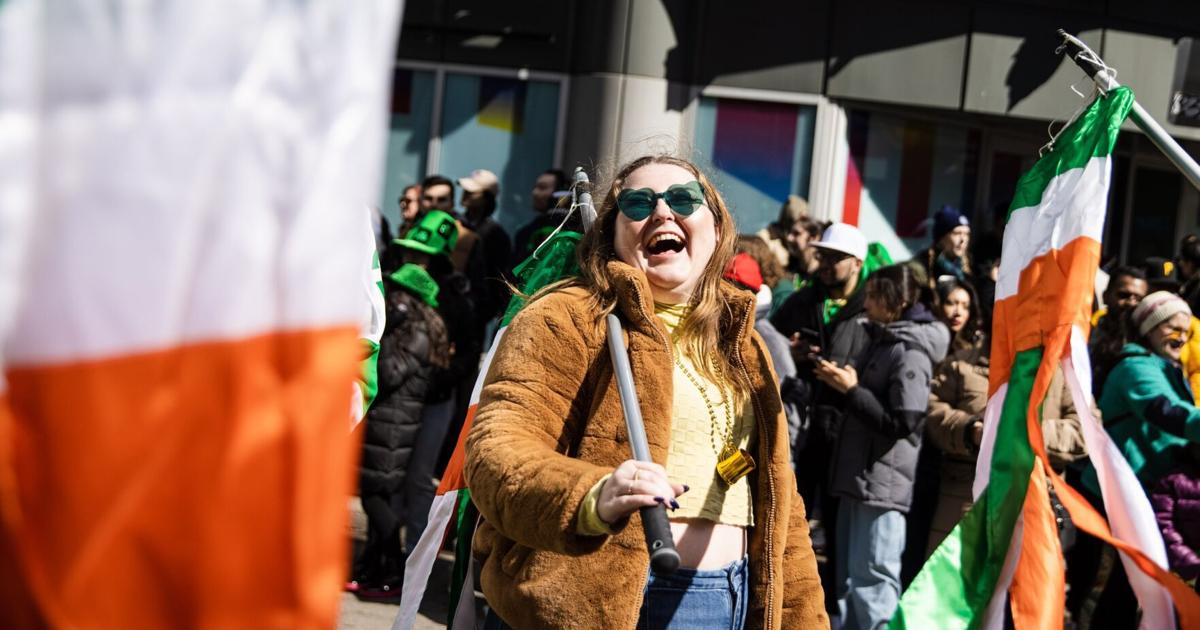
(435, 234)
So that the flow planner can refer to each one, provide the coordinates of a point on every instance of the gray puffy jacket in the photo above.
(875, 456)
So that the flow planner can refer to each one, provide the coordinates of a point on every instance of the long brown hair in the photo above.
(768, 264)
(699, 334)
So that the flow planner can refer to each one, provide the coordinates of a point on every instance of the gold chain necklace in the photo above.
(733, 462)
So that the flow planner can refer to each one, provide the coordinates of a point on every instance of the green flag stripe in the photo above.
(957, 582)
(1093, 134)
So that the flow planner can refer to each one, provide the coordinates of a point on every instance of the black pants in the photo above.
(382, 559)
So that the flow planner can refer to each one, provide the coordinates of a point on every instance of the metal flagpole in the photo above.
(663, 556)
(1094, 67)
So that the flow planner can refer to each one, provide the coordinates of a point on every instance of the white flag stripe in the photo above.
(1073, 205)
(1130, 516)
(420, 562)
(991, 423)
(993, 616)
(464, 612)
(205, 184)
(483, 369)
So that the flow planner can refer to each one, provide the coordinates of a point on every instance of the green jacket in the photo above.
(1138, 378)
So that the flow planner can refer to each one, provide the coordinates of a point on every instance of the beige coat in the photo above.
(549, 426)
(957, 399)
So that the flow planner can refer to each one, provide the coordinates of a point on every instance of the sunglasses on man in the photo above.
(682, 199)
(432, 200)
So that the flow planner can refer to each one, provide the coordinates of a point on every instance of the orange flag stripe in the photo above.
(1039, 585)
(205, 482)
(1086, 518)
(1047, 300)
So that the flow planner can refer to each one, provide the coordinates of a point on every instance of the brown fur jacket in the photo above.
(549, 426)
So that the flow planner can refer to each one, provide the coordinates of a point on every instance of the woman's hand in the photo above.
(634, 485)
(839, 378)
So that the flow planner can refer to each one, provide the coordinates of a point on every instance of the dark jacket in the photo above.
(549, 426)
(1176, 501)
(781, 358)
(457, 310)
(496, 252)
(841, 340)
(875, 457)
(413, 341)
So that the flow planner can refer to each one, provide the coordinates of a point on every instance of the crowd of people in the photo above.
(845, 430)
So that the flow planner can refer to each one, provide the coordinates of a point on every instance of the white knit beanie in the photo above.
(1157, 308)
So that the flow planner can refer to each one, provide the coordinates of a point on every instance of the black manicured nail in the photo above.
(660, 499)
(674, 504)
(686, 487)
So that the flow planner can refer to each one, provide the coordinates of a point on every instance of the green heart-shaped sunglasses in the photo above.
(683, 199)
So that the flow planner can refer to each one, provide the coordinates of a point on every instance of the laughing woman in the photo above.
(548, 457)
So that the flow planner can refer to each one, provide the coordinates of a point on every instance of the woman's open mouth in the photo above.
(665, 244)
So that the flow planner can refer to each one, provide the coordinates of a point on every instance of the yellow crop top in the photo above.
(691, 456)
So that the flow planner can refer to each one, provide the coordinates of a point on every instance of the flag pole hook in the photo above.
(663, 556)
(1106, 79)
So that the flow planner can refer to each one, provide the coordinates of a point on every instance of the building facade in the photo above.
(877, 112)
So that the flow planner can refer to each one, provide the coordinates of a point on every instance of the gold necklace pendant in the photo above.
(734, 465)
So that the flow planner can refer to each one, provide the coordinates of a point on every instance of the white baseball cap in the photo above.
(480, 179)
(844, 238)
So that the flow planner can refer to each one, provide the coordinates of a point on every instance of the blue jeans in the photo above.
(870, 542)
(689, 599)
(692, 599)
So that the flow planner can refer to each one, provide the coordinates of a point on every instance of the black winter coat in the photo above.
(458, 311)
(413, 341)
(841, 341)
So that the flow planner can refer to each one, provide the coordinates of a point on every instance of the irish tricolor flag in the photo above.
(183, 254)
(553, 261)
(1008, 542)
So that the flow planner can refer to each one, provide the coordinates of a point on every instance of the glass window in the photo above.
(408, 138)
(757, 153)
(505, 125)
(900, 172)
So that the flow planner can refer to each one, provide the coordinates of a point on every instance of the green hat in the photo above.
(416, 279)
(435, 234)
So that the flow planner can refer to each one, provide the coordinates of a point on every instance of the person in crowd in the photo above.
(410, 208)
(956, 305)
(775, 234)
(1176, 502)
(414, 345)
(824, 320)
(547, 215)
(561, 541)
(959, 308)
(437, 193)
(1163, 275)
(801, 267)
(948, 254)
(886, 391)
(745, 271)
(1126, 287)
(954, 421)
(430, 243)
(985, 261)
(1188, 264)
(773, 275)
(392, 256)
(480, 190)
(1148, 411)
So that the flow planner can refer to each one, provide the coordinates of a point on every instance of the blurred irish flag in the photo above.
(184, 274)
